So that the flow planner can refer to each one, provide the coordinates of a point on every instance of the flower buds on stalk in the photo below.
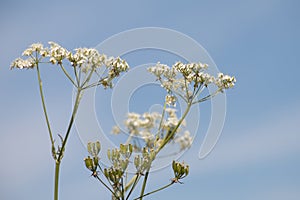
(180, 170)
(126, 150)
(92, 163)
(113, 174)
(94, 148)
(143, 162)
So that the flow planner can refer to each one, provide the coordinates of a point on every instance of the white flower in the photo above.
(187, 69)
(203, 78)
(23, 64)
(160, 69)
(108, 61)
(188, 80)
(57, 53)
(36, 47)
(116, 66)
(170, 100)
(225, 81)
(132, 123)
(185, 140)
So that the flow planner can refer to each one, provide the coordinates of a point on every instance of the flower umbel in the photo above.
(20, 63)
(188, 80)
(181, 170)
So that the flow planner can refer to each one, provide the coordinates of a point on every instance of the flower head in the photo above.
(57, 53)
(188, 80)
(225, 81)
(181, 170)
(23, 64)
(185, 140)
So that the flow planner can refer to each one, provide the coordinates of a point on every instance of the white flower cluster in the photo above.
(185, 140)
(225, 81)
(141, 125)
(36, 47)
(151, 128)
(57, 53)
(28, 63)
(23, 64)
(86, 59)
(172, 120)
(184, 78)
(170, 100)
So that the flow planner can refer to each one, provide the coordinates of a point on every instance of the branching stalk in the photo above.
(157, 190)
(44, 106)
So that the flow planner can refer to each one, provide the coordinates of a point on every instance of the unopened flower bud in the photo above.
(94, 148)
(89, 163)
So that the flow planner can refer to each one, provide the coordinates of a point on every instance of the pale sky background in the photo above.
(257, 156)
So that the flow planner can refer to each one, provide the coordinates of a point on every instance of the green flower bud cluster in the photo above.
(92, 162)
(142, 162)
(120, 160)
(181, 170)
(120, 157)
(126, 150)
(114, 174)
(94, 148)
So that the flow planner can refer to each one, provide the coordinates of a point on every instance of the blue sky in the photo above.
(257, 156)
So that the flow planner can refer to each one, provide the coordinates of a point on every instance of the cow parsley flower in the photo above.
(36, 47)
(20, 63)
(170, 100)
(185, 140)
(188, 80)
(57, 53)
(225, 81)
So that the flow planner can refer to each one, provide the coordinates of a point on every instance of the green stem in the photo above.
(76, 76)
(132, 180)
(168, 137)
(133, 186)
(88, 77)
(207, 97)
(75, 108)
(67, 75)
(144, 183)
(104, 175)
(56, 178)
(106, 185)
(122, 189)
(162, 118)
(60, 155)
(99, 82)
(157, 190)
(45, 110)
(186, 90)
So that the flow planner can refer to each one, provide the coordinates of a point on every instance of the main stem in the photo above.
(60, 155)
(56, 179)
(144, 183)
